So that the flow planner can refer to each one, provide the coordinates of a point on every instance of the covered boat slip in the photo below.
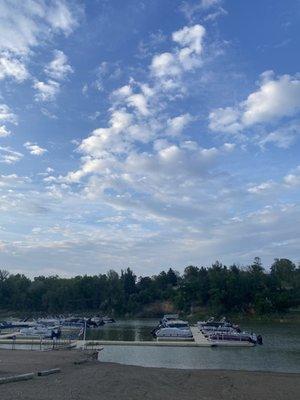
(199, 340)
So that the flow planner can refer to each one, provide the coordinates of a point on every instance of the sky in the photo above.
(148, 134)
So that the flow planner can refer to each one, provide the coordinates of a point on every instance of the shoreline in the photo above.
(94, 380)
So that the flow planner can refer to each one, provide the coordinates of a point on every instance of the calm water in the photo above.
(280, 352)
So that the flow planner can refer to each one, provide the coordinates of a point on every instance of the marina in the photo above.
(171, 331)
(130, 342)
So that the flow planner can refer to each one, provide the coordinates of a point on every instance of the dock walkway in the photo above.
(199, 338)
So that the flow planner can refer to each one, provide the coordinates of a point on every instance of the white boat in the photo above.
(174, 334)
(108, 320)
(177, 324)
(169, 317)
(235, 337)
(38, 330)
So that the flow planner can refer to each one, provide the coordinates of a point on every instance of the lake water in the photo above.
(280, 351)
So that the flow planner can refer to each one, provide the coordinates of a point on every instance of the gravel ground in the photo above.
(96, 380)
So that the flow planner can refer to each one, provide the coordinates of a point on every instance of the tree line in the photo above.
(219, 288)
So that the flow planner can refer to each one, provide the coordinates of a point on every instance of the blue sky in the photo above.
(148, 134)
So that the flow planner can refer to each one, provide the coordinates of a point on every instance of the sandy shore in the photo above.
(94, 380)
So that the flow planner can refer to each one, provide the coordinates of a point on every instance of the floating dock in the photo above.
(199, 338)
(199, 341)
(9, 335)
(93, 344)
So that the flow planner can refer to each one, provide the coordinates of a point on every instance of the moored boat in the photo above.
(174, 334)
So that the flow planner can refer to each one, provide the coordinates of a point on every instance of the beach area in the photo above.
(101, 380)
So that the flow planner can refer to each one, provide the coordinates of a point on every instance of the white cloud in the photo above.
(107, 71)
(262, 188)
(28, 23)
(165, 64)
(12, 180)
(176, 125)
(208, 9)
(63, 17)
(209, 3)
(168, 64)
(270, 187)
(9, 156)
(225, 120)
(4, 131)
(190, 38)
(46, 91)
(6, 115)
(139, 101)
(276, 98)
(293, 179)
(282, 137)
(12, 67)
(58, 68)
(34, 149)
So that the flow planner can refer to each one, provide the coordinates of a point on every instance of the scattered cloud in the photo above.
(58, 68)
(6, 115)
(35, 149)
(29, 24)
(150, 182)
(12, 67)
(163, 178)
(4, 131)
(293, 179)
(12, 180)
(25, 25)
(282, 137)
(9, 156)
(276, 98)
(289, 181)
(107, 71)
(188, 57)
(262, 188)
(177, 124)
(46, 91)
(207, 9)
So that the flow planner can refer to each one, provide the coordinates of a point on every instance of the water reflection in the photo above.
(127, 330)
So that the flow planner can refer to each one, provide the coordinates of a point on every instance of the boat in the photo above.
(169, 317)
(71, 324)
(226, 333)
(48, 321)
(219, 337)
(174, 334)
(16, 324)
(40, 331)
(177, 324)
(108, 320)
(169, 328)
(212, 323)
(219, 329)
